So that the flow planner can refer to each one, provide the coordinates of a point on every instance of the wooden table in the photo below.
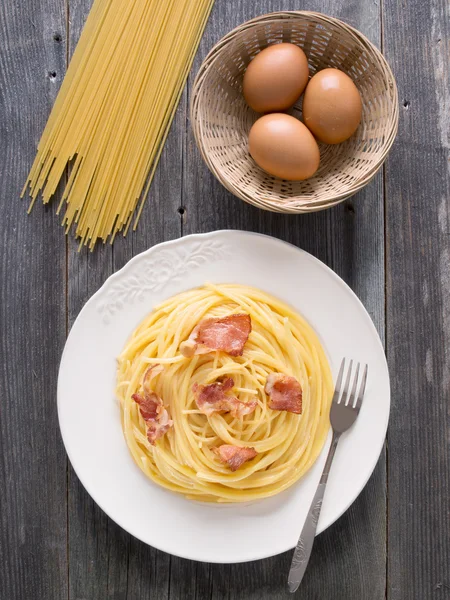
(390, 243)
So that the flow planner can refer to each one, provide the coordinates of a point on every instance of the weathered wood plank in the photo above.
(350, 239)
(33, 531)
(106, 562)
(418, 302)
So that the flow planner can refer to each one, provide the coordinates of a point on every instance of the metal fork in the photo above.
(345, 408)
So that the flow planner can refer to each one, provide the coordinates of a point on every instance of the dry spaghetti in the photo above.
(114, 109)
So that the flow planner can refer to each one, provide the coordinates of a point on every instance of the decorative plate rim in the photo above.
(128, 267)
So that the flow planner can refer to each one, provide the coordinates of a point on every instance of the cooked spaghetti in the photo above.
(275, 444)
(114, 109)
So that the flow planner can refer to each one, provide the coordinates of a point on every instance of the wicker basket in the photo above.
(221, 119)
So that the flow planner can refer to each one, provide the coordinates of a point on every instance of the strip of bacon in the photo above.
(152, 407)
(234, 456)
(213, 398)
(157, 428)
(228, 334)
(285, 393)
(148, 405)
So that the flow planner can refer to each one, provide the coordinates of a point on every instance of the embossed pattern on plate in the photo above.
(90, 419)
(155, 272)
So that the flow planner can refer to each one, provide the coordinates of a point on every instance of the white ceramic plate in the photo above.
(89, 413)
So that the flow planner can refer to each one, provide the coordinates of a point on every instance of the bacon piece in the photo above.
(234, 456)
(285, 393)
(148, 405)
(228, 334)
(213, 398)
(152, 407)
(157, 428)
(149, 401)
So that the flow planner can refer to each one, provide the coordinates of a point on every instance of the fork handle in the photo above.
(305, 542)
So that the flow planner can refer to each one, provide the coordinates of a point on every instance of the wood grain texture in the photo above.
(55, 543)
(104, 561)
(350, 239)
(95, 544)
(33, 531)
(418, 302)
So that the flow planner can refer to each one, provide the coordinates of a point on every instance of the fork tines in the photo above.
(351, 398)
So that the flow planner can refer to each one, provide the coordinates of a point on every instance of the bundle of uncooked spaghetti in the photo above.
(113, 112)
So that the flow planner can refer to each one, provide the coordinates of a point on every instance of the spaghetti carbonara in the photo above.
(225, 394)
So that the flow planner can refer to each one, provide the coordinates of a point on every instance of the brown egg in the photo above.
(275, 78)
(332, 106)
(284, 147)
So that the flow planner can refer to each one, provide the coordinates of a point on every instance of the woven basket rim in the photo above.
(307, 205)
